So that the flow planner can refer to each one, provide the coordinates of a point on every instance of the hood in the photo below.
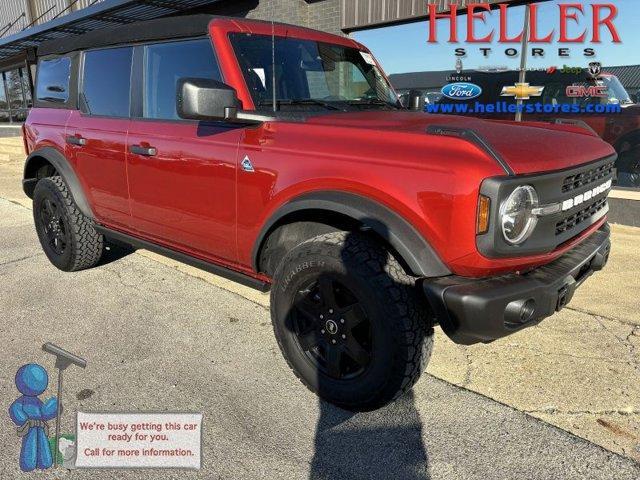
(526, 147)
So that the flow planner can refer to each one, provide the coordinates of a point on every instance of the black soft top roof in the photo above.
(158, 29)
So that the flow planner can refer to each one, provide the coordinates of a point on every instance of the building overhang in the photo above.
(366, 14)
(108, 13)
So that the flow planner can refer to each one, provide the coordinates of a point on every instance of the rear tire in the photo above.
(350, 322)
(68, 238)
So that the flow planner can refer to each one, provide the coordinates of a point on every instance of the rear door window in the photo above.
(165, 64)
(106, 82)
(53, 80)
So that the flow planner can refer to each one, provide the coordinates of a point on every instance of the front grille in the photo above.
(580, 216)
(581, 193)
(583, 179)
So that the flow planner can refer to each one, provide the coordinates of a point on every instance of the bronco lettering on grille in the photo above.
(586, 196)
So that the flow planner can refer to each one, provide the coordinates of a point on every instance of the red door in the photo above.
(182, 182)
(182, 174)
(97, 137)
(97, 147)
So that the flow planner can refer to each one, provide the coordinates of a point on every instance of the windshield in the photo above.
(615, 90)
(309, 73)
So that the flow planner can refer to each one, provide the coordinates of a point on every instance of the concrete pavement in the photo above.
(160, 339)
(579, 371)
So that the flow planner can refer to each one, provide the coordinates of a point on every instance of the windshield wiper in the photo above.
(372, 101)
(300, 101)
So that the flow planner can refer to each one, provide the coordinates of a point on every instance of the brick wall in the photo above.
(321, 14)
(325, 15)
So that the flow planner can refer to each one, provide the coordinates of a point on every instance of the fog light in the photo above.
(527, 310)
(519, 312)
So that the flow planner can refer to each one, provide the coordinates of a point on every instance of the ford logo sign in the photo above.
(461, 91)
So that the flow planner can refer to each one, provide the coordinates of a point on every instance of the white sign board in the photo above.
(139, 440)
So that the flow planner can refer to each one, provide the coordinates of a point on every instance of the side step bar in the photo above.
(185, 258)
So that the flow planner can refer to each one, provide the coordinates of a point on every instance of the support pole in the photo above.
(63, 360)
(523, 56)
(58, 412)
(29, 11)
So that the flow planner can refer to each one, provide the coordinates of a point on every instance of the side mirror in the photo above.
(206, 99)
(416, 101)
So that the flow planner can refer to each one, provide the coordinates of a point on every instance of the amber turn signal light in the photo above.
(484, 209)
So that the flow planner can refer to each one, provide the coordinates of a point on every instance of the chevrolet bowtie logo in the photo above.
(522, 91)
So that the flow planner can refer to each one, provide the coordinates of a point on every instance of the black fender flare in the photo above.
(413, 248)
(64, 169)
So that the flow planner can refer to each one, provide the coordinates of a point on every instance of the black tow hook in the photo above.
(600, 259)
(563, 298)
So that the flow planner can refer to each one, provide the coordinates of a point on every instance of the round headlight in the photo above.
(515, 214)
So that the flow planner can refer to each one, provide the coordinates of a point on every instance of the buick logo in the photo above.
(461, 91)
(332, 327)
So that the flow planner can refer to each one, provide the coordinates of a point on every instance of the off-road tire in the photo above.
(84, 246)
(401, 321)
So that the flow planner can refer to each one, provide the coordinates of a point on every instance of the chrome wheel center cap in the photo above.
(331, 327)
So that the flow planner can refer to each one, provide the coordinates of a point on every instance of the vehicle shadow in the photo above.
(382, 444)
(114, 251)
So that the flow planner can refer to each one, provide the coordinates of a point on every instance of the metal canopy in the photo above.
(108, 13)
(364, 14)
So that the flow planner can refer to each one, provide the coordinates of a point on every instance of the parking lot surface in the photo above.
(163, 336)
(159, 339)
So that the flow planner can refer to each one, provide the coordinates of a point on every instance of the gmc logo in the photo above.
(581, 91)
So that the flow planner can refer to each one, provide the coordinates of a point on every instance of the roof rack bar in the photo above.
(9, 25)
(71, 4)
(36, 20)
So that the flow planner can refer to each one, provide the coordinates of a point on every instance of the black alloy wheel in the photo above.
(68, 237)
(351, 324)
(53, 226)
(332, 328)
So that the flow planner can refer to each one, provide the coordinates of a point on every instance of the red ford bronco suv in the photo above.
(280, 157)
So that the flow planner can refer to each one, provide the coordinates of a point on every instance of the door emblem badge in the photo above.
(247, 166)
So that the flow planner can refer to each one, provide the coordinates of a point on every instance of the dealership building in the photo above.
(433, 81)
(24, 24)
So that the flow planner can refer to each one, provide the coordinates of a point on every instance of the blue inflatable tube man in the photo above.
(30, 414)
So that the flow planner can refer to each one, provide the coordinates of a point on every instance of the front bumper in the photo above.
(482, 310)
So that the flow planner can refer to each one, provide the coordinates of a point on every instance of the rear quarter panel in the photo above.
(45, 127)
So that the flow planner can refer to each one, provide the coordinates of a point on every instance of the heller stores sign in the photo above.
(596, 22)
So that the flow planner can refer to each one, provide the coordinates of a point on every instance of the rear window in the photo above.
(53, 80)
(106, 82)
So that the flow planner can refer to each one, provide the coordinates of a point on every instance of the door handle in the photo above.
(140, 150)
(76, 140)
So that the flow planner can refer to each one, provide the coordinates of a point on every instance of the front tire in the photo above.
(68, 238)
(349, 321)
